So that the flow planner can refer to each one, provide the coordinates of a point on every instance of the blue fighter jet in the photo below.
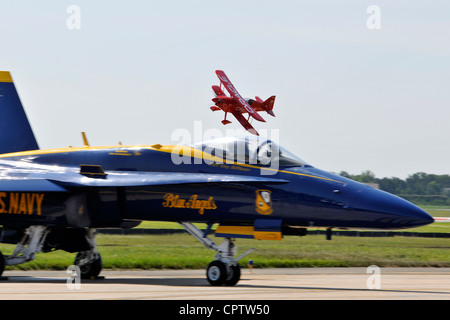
(245, 187)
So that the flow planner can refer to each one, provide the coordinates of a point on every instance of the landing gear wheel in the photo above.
(233, 275)
(216, 273)
(225, 269)
(91, 269)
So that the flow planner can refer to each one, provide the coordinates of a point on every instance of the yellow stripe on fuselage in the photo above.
(5, 76)
(191, 152)
(195, 153)
(119, 150)
(62, 150)
(249, 231)
(237, 230)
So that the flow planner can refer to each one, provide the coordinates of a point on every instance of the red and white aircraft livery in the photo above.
(237, 105)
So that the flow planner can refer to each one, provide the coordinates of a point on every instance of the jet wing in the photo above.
(130, 179)
(41, 180)
(29, 185)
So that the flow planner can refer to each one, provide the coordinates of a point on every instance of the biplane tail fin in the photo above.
(15, 130)
(267, 105)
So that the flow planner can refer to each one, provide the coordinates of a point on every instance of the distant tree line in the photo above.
(420, 188)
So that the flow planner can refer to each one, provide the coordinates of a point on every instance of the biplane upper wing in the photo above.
(235, 94)
(219, 93)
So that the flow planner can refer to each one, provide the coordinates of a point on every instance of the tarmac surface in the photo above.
(257, 284)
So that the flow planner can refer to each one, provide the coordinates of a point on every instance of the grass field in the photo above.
(182, 251)
(435, 227)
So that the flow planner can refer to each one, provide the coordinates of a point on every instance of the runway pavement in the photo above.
(260, 284)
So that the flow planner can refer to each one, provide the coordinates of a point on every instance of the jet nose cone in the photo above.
(392, 212)
(412, 216)
(402, 214)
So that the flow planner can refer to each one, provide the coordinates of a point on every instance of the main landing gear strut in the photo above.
(34, 240)
(224, 270)
(25, 251)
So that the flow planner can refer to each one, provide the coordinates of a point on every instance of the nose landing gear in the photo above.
(224, 270)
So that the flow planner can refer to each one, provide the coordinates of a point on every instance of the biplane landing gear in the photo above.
(225, 121)
(89, 261)
(224, 270)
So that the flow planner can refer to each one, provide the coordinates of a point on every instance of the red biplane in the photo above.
(238, 105)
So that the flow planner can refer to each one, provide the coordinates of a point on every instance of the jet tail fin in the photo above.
(15, 130)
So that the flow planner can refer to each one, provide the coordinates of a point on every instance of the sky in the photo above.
(356, 88)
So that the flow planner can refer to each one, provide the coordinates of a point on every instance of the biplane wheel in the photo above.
(233, 275)
(89, 270)
(216, 273)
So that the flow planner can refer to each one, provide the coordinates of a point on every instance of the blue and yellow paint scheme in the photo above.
(147, 184)
(251, 187)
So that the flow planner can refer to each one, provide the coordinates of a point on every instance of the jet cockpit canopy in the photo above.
(251, 150)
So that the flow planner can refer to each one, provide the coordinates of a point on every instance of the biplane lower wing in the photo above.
(244, 122)
(218, 91)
